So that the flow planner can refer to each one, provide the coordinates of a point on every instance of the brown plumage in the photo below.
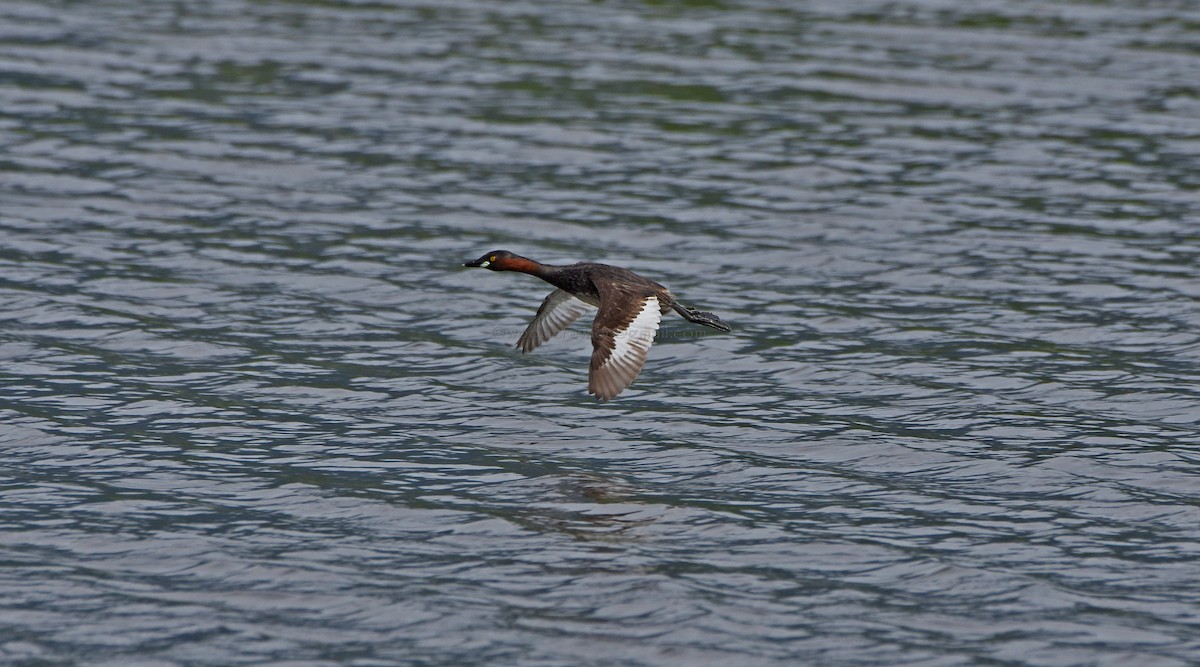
(630, 308)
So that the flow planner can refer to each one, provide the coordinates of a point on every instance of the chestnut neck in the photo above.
(524, 265)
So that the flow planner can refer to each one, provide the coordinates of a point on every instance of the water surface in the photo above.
(253, 410)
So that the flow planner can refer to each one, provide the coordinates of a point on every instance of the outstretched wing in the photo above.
(556, 313)
(622, 334)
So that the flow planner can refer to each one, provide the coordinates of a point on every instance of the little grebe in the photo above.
(625, 326)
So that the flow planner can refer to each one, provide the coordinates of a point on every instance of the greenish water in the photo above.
(253, 411)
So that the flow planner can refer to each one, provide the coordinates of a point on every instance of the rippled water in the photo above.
(253, 410)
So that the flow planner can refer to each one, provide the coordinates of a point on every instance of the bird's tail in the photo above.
(700, 317)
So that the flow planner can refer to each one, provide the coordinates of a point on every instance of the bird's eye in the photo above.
(492, 258)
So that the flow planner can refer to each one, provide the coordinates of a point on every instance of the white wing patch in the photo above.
(630, 346)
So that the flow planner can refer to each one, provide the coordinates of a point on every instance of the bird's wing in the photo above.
(622, 334)
(556, 313)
